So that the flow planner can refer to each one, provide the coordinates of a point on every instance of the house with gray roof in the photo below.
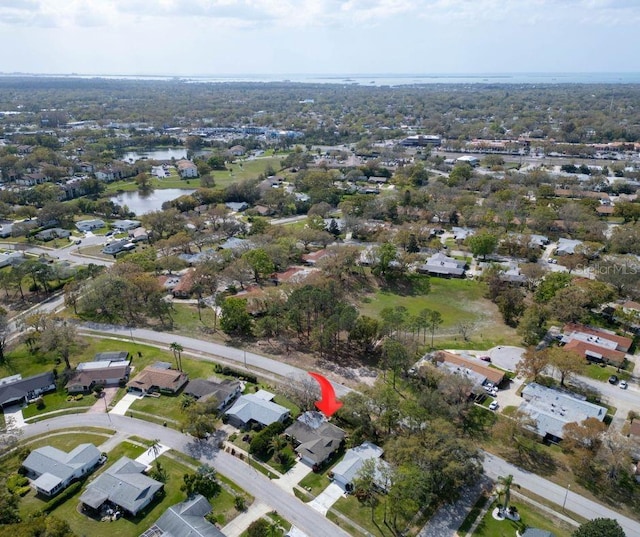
(347, 469)
(125, 225)
(123, 485)
(552, 409)
(535, 532)
(90, 225)
(185, 519)
(316, 438)
(256, 408)
(116, 247)
(443, 266)
(224, 392)
(567, 246)
(53, 233)
(52, 470)
(19, 390)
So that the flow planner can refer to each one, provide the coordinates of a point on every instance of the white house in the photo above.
(347, 469)
(468, 159)
(52, 470)
(187, 169)
(125, 225)
(256, 408)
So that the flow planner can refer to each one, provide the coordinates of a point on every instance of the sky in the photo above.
(233, 37)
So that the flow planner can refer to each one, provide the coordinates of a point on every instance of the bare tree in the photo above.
(466, 328)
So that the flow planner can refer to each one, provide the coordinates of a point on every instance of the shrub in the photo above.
(66, 494)
(240, 503)
(260, 442)
(15, 482)
(40, 403)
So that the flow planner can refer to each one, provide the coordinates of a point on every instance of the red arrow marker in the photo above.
(328, 405)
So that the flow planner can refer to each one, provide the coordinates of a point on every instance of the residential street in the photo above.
(254, 482)
(495, 467)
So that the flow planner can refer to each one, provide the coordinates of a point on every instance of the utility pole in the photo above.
(565, 497)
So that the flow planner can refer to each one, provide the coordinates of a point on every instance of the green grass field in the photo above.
(456, 300)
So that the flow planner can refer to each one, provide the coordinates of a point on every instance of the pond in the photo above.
(146, 202)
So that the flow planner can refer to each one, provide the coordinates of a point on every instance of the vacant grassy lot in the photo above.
(457, 301)
(361, 515)
(245, 169)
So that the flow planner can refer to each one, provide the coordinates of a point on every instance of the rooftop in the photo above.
(553, 409)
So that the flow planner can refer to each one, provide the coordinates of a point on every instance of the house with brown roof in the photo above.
(157, 379)
(313, 257)
(83, 380)
(496, 376)
(184, 287)
(293, 275)
(573, 330)
(594, 344)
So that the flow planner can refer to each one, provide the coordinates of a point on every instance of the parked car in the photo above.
(613, 379)
(493, 405)
(78, 241)
(485, 358)
(623, 385)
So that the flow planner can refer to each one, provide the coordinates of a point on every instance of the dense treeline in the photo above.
(340, 114)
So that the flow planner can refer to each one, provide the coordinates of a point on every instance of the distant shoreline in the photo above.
(380, 79)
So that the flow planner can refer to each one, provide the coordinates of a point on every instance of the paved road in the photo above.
(495, 467)
(254, 482)
(240, 356)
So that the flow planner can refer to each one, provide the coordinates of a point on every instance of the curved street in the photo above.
(255, 483)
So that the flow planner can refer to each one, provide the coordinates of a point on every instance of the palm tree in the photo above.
(177, 353)
(276, 444)
(273, 530)
(155, 448)
(506, 482)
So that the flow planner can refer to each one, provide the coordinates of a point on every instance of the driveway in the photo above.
(446, 521)
(103, 402)
(238, 525)
(323, 502)
(123, 405)
(15, 414)
(149, 456)
(293, 476)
